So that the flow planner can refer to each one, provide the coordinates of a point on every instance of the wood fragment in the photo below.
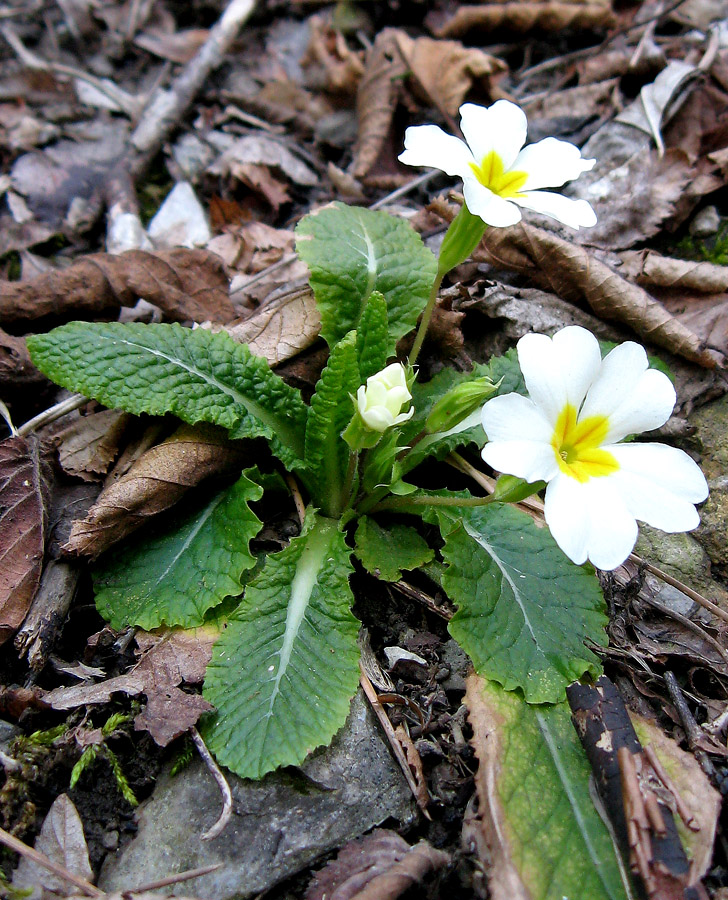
(47, 613)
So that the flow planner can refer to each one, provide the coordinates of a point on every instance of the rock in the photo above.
(705, 223)
(459, 664)
(712, 435)
(280, 824)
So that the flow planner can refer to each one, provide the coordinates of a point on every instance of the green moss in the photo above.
(713, 249)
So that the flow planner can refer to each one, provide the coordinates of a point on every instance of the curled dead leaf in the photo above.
(575, 275)
(88, 446)
(158, 479)
(25, 475)
(340, 68)
(548, 15)
(184, 284)
(651, 268)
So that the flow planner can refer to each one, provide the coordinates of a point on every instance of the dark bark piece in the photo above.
(47, 613)
(24, 495)
(184, 284)
(644, 826)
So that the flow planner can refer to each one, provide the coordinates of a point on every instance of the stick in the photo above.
(42, 860)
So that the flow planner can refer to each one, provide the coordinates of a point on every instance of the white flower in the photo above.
(383, 397)
(568, 434)
(497, 174)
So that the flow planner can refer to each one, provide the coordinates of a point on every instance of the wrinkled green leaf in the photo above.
(546, 839)
(372, 339)
(284, 670)
(327, 454)
(197, 375)
(352, 252)
(386, 551)
(524, 610)
(176, 575)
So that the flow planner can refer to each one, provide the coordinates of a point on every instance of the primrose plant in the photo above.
(285, 665)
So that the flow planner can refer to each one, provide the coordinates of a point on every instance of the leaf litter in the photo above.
(645, 93)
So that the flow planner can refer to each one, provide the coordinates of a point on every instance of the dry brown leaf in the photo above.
(61, 840)
(169, 658)
(379, 866)
(574, 275)
(651, 268)
(694, 788)
(184, 284)
(548, 15)
(24, 496)
(340, 68)
(178, 48)
(88, 446)
(446, 70)
(16, 366)
(261, 179)
(155, 482)
(282, 328)
(379, 93)
(262, 150)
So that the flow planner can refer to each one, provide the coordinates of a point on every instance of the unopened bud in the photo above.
(458, 403)
(510, 489)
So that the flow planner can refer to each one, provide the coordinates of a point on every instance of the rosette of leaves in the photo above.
(286, 666)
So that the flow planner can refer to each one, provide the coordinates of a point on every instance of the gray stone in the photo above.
(279, 825)
(705, 223)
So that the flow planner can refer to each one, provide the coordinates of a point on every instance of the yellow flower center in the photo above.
(577, 445)
(491, 174)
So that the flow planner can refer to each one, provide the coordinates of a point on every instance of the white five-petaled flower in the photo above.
(385, 394)
(500, 174)
(567, 433)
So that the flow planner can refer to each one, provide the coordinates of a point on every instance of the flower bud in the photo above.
(458, 403)
(380, 402)
(510, 489)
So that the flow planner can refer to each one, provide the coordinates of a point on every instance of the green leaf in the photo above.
(195, 374)
(386, 551)
(327, 454)
(461, 238)
(284, 670)
(352, 252)
(505, 369)
(524, 610)
(372, 336)
(533, 786)
(175, 576)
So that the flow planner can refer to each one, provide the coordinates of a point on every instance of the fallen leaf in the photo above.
(16, 367)
(178, 48)
(573, 274)
(62, 840)
(260, 179)
(88, 446)
(651, 268)
(340, 68)
(262, 150)
(548, 15)
(282, 328)
(444, 71)
(156, 481)
(184, 284)
(19, 236)
(24, 496)
(633, 190)
(379, 93)
(379, 866)
(537, 830)
(168, 659)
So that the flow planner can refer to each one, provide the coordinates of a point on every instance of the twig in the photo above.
(421, 597)
(129, 105)
(42, 860)
(166, 108)
(47, 612)
(681, 586)
(659, 770)
(174, 879)
(379, 712)
(693, 731)
(227, 797)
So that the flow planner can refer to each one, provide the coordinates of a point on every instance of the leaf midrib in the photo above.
(275, 423)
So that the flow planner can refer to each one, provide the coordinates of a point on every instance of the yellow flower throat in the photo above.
(577, 445)
(491, 174)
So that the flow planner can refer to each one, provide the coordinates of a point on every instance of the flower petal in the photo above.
(519, 438)
(574, 213)
(491, 208)
(633, 397)
(377, 418)
(559, 370)
(589, 520)
(551, 163)
(660, 485)
(429, 145)
(500, 127)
